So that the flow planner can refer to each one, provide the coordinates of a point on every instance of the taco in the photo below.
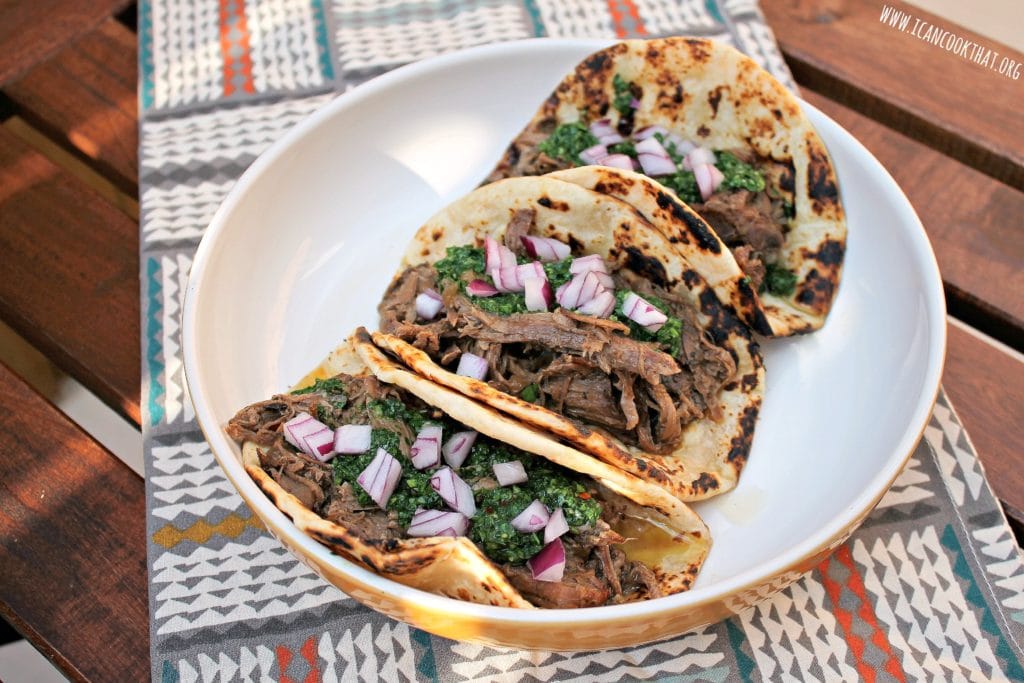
(604, 336)
(441, 493)
(727, 139)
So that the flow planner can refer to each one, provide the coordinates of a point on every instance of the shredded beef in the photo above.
(261, 422)
(303, 477)
(524, 158)
(751, 264)
(367, 522)
(743, 218)
(580, 586)
(522, 221)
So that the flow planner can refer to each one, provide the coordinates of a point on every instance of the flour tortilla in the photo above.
(455, 567)
(712, 94)
(712, 453)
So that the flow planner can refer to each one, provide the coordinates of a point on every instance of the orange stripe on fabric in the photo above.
(242, 66)
(866, 612)
(617, 18)
(640, 30)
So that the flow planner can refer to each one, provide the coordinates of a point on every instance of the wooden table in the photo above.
(72, 516)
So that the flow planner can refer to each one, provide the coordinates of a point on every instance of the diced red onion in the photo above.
(649, 131)
(506, 279)
(457, 448)
(438, 523)
(591, 286)
(454, 491)
(568, 295)
(588, 263)
(600, 306)
(481, 288)
(602, 127)
(528, 270)
(640, 311)
(616, 161)
(546, 249)
(682, 147)
(380, 477)
(506, 259)
(352, 438)
(538, 294)
(611, 139)
(591, 154)
(556, 526)
(428, 304)
(635, 103)
(492, 258)
(549, 563)
(508, 473)
(472, 365)
(533, 518)
(697, 156)
(426, 449)
(310, 436)
(653, 158)
(708, 179)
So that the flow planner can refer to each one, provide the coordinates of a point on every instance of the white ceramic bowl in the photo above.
(303, 247)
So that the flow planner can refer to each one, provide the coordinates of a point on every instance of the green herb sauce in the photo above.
(684, 184)
(670, 335)
(739, 175)
(779, 281)
(623, 95)
(568, 140)
(558, 272)
(460, 260)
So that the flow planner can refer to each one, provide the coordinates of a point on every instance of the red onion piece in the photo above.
(546, 249)
(602, 127)
(549, 563)
(472, 365)
(588, 263)
(640, 311)
(426, 449)
(438, 523)
(635, 103)
(506, 259)
(508, 473)
(528, 270)
(352, 438)
(481, 288)
(697, 156)
(538, 294)
(591, 154)
(717, 177)
(454, 491)
(649, 131)
(568, 295)
(600, 306)
(556, 526)
(611, 139)
(616, 161)
(310, 436)
(506, 279)
(380, 477)
(653, 158)
(492, 259)
(428, 304)
(533, 518)
(705, 180)
(682, 147)
(591, 286)
(458, 447)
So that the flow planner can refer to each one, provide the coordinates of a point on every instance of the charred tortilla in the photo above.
(455, 566)
(631, 376)
(711, 95)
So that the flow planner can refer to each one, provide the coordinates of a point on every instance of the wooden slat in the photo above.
(973, 221)
(72, 542)
(84, 97)
(70, 275)
(31, 30)
(841, 49)
(986, 386)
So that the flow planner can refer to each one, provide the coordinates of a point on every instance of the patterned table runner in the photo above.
(932, 585)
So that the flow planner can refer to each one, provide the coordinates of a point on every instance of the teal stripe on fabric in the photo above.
(712, 8)
(169, 674)
(322, 42)
(425, 665)
(153, 329)
(533, 10)
(145, 55)
(737, 639)
(1014, 668)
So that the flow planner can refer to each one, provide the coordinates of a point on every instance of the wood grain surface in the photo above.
(972, 220)
(84, 97)
(841, 49)
(31, 30)
(70, 282)
(72, 542)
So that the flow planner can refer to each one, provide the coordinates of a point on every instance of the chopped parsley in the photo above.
(333, 391)
(501, 304)
(670, 335)
(492, 528)
(739, 175)
(393, 409)
(684, 184)
(558, 272)
(626, 147)
(460, 260)
(414, 491)
(779, 281)
(347, 468)
(623, 100)
(568, 140)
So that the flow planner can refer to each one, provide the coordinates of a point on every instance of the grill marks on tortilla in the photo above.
(821, 181)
